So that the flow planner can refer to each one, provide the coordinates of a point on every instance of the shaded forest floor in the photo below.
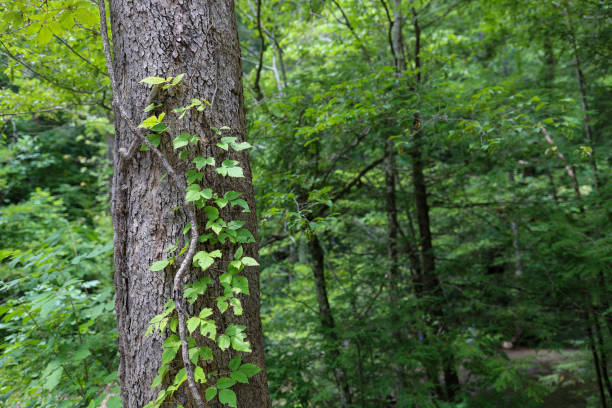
(570, 392)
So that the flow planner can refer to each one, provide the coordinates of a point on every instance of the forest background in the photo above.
(432, 180)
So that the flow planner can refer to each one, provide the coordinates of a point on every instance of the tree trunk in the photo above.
(393, 259)
(327, 320)
(166, 39)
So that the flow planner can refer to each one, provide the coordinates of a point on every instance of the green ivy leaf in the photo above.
(235, 172)
(228, 397)
(204, 313)
(239, 251)
(206, 353)
(194, 353)
(241, 283)
(225, 382)
(152, 80)
(169, 354)
(248, 261)
(249, 369)
(241, 345)
(198, 374)
(181, 140)
(201, 162)
(159, 265)
(211, 213)
(210, 393)
(223, 341)
(241, 146)
(193, 323)
(209, 329)
(241, 203)
(222, 305)
(239, 377)
(177, 79)
(234, 363)
(172, 342)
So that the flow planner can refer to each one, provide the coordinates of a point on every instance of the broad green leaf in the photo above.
(152, 80)
(249, 369)
(234, 363)
(223, 341)
(228, 397)
(241, 345)
(181, 140)
(248, 261)
(193, 323)
(239, 377)
(211, 213)
(168, 355)
(240, 282)
(159, 265)
(198, 374)
(210, 393)
(239, 251)
(225, 382)
(235, 172)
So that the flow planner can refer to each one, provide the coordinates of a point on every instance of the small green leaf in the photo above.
(239, 377)
(211, 213)
(159, 265)
(228, 139)
(241, 345)
(168, 355)
(249, 369)
(210, 393)
(177, 79)
(225, 382)
(159, 128)
(152, 80)
(51, 381)
(239, 251)
(172, 342)
(222, 305)
(206, 353)
(193, 323)
(234, 363)
(149, 122)
(199, 375)
(241, 203)
(248, 261)
(194, 353)
(181, 140)
(241, 283)
(209, 329)
(154, 138)
(204, 313)
(228, 397)
(223, 341)
(235, 172)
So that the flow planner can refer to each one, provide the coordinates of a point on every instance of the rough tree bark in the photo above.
(166, 38)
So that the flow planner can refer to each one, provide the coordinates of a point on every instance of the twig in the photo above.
(178, 278)
(75, 52)
(38, 74)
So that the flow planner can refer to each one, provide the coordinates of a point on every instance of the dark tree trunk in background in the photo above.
(327, 319)
(166, 38)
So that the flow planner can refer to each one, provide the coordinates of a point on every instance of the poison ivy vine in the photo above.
(232, 282)
(181, 328)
